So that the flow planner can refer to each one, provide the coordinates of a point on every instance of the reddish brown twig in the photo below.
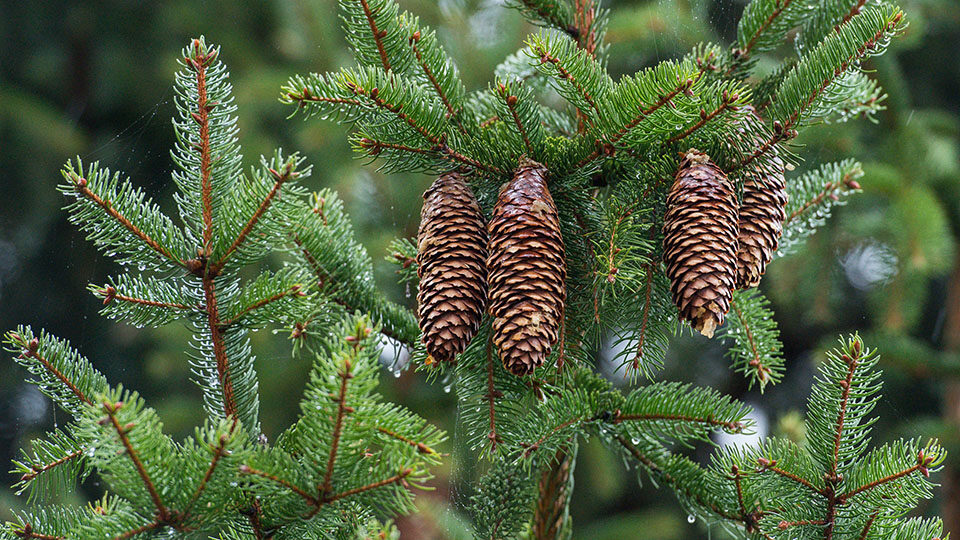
(40, 468)
(219, 451)
(756, 363)
(111, 409)
(310, 499)
(28, 532)
(734, 427)
(451, 112)
(422, 448)
(110, 294)
(727, 103)
(30, 351)
(511, 102)
(219, 350)
(546, 57)
(378, 35)
(532, 447)
(293, 290)
(491, 396)
(385, 482)
(345, 374)
(142, 529)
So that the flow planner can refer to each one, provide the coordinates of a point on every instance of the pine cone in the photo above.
(762, 213)
(451, 257)
(527, 270)
(700, 242)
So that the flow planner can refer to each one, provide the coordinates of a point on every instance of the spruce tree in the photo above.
(605, 154)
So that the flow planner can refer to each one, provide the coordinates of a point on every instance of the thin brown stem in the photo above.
(219, 350)
(107, 206)
(855, 10)
(422, 448)
(30, 351)
(553, 497)
(309, 499)
(730, 426)
(28, 532)
(645, 318)
(40, 468)
(260, 303)
(110, 294)
(511, 102)
(451, 112)
(111, 410)
(828, 191)
(704, 118)
(745, 52)
(139, 530)
(756, 362)
(492, 395)
(881, 481)
(345, 374)
(802, 481)
(202, 117)
(532, 447)
(378, 35)
(546, 57)
(279, 180)
(385, 482)
(868, 525)
(218, 452)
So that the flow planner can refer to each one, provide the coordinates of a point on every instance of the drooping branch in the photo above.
(829, 190)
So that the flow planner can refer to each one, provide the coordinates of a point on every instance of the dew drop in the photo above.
(446, 389)
(396, 374)
(691, 518)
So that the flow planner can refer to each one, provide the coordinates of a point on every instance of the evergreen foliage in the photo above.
(611, 151)
(226, 480)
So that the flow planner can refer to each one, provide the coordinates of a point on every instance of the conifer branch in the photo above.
(202, 117)
(378, 35)
(399, 477)
(733, 427)
(219, 451)
(584, 13)
(854, 11)
(726, 102)
(110, 294)
(643, 114)
(763, 372)
(771, 465)
(27, 533)
(111, 409)
(533, 447)
(219, 350)
(294, 290)
(645, 317)
(279, 179)
(254, 518)
(374, 147)
(744, 53)
(546, 57)
(829, 190)
(345, 375)
(40, 468)
(554, 496)
(869, 524)
(30, 351)
(422, 448)
(80, 184)
(784, 130)
(451, 112)
(511, 102)
(921, 465)
(550, 17)
(139, 530)
(309, 499)
(491, 396)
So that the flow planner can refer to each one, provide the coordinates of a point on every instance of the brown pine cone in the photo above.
(700, 242)
(762, 213)
(451, 259)
(527, 270)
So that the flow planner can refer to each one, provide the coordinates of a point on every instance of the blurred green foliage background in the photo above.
(94, 79)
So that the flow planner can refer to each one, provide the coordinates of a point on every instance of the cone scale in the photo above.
(700, 242)
(527, 270)
(451, 257)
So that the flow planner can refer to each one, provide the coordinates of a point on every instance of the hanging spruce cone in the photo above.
(700, 242)
(762, 213)
(527, 271)
(451, 258)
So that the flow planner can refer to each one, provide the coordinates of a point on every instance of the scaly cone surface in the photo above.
(451, 264)
(700, 242)
(527, 270)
